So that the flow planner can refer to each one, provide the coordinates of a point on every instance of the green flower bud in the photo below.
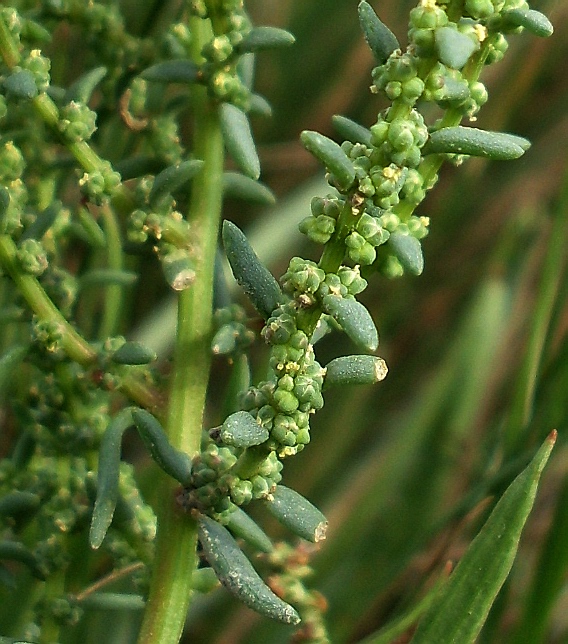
(412, 90)
(278, 330)
(302, 276)
(32, 257)
(286, 383)
(371, 229)
(319, 229)
(413, 188)
(39, 66)
(241, 492)
(379, 132)
(303, 436)
(351, 278)
(497, 47)
(479, 9)
(418, 226)
(285, 401)
(78, 122)
(11, 162)
(359, 250)
(400, 134)
(218, 49)
(478, 93)
(260, 487)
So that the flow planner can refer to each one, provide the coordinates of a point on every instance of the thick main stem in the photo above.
(175, 559)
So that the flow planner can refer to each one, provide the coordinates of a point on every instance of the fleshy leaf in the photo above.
(355, 370)
(255, 279)
(331, 155)
(408, 251)
(379, 37)
(297, 514)
(241, 430)
(354, 319)
(454, 48)
(174, 462)
(499, 146)
(237, 574)
(238, 140)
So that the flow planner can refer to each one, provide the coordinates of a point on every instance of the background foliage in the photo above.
(477, 346)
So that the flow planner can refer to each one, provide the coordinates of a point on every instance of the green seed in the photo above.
(297, 514)
(355, 370)
(242, 526)
(354, 319)
(174, 462)
(254, 278)
(172, 178)
(236, 573)
(331, 155)
(241, 430)
(260, 38)
(238, 140)
(408, 251)
(498, 146)
(379, 37)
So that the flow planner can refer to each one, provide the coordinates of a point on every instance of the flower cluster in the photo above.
(378, 176)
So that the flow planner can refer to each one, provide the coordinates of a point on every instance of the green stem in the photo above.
(72, 342)
(76, 347)
(175, 559)
(113, 293)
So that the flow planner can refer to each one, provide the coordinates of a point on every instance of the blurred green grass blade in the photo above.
(459, 614)
(550, 576)
(521, 409)
(391, 632)
(400, 491)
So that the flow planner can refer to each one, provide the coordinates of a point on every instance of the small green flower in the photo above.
(32, 257)
(78, 122)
